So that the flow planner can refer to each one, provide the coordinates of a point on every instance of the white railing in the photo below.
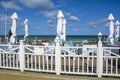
(40, 58)
(111, 56)
(9, 56)
(86, 60)
(74, 61)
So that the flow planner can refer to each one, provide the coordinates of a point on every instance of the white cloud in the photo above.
(50, 14)
(106, 25)
(71, 18)
(10, 5)
(43, 4)
(2, 19)
(51, 25)
(98, 22)
(74, 18)
(50, 21)
(51, 17)
(67, 14)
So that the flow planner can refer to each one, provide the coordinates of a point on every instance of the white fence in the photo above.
(78, 60)
(86, 60)
(9, 56)
(110, 61)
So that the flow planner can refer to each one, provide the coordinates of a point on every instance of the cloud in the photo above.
(93, 24)
(50, 14)
(67, 14)
(96, 23)
(71, 17)
(61, 3)
(43, 4)
(10, 5)
(106, 25)
(2, 19)
(50, 21)
(74, 18)
(51, 17)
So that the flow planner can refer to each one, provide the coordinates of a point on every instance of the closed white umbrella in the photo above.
(117, 24)
(111, 28)
(14, 17)
(111, 25)
(60, 17)
(26, 29)
(64, 30)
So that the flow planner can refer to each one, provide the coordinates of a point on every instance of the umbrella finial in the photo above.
(60, 14)
(117, 23)
(110, 17)
(14, 16)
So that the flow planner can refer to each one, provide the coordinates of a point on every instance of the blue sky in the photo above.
(84, 17)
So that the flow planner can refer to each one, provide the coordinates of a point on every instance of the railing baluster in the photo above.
(82, 64)
(35, 62)
(47, 62)
(106, 59)
(87, 64)
(27, 58)
(78, 64)
(112, 65)
(31, 61)
(39, 63)
(3, 60)
(92, 64)
(17, 61)
(116, 66)
(69, 63)
(51, 63)
(10, 56)
(0, 60)
(65, 63)
(13, 60)
(74, 64)
(6, 60)
(43, 62)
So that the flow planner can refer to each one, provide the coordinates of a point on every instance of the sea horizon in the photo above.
(68, 37)
(55, 35)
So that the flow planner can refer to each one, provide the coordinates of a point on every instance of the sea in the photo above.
(68, 37)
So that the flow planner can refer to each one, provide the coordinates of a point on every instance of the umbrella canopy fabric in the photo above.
(117, 24)
(60, 28)
(64, 30)
(14, 17)
(26, 29)
(60, 17)
(111, 29)
(111, 25)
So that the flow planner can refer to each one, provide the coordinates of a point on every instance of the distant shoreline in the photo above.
(68, 37)
(55, 35)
